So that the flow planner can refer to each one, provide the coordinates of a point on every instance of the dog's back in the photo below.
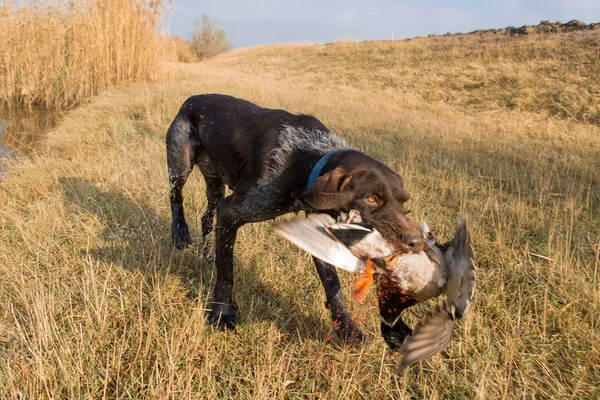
(236, 135)
(218, 115)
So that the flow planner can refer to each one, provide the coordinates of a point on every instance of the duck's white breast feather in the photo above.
(419, 276)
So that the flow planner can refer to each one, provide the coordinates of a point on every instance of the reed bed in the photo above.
(181, 50)
(60, 53)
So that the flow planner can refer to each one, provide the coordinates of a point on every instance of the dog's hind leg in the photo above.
(224, 312)
(343, 323)
(180, 155)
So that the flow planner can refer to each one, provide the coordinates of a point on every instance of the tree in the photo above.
(208, 39)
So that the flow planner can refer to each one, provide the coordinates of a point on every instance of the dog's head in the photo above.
(356, 181)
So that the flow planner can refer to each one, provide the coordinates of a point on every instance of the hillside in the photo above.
(96, 303)
(550, 74)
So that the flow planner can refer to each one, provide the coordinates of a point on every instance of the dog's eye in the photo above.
(371, 200)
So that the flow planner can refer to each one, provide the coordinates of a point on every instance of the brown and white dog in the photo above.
(267, 157)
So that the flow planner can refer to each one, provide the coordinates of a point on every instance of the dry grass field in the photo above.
(95, 303)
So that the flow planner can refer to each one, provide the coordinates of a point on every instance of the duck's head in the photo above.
(353, 180)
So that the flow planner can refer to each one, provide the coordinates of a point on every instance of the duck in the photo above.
(441, 269)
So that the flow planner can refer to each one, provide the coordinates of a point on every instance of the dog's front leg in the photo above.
(224, 313)
(343, 323)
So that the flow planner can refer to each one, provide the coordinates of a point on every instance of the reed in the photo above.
(60, 53)
(181, 50)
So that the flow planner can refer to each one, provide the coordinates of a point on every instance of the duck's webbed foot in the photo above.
(394, 335)
(391, 305)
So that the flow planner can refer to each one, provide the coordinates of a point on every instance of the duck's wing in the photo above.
(310, 235)
(435, 331)
(429, 337)
(362, 239)
(428, 235)
(458, 255)
(349, 233)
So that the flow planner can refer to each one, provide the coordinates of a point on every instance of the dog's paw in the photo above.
(348, 331)
(394, 335)
(223, 316)
(180, 234)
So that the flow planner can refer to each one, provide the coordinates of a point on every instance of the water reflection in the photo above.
(22, 131)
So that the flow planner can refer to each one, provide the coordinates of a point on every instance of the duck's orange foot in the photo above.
(362, 285)
(361, 288)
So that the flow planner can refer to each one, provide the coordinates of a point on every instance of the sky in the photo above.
(254, 22)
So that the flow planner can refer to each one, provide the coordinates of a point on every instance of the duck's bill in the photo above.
(310, 235)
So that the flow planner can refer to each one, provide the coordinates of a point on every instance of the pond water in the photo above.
(23, 131)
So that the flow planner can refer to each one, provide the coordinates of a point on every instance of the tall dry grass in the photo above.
(95, 303)
(59, 53)
(181, 50)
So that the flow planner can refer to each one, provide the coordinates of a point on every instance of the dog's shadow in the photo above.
(135, 237)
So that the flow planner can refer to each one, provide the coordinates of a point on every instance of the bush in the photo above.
(208, 39)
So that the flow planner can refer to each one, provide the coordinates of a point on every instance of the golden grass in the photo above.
(60, 53)
(553, 74)
(95, 303)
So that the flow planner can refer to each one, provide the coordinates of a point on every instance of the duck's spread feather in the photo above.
(362, 240)
(461, 270)
(435, 331)
(309, 234)
(350, 234)
(429, 337)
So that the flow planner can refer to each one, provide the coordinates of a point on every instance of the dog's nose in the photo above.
(412, 240)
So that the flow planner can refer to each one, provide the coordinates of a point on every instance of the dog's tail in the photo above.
(183, 144)
(184, 128)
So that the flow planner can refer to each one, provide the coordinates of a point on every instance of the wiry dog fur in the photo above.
(265, 157)
(294, 138)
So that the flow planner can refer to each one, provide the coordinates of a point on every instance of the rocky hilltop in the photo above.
(542, 27)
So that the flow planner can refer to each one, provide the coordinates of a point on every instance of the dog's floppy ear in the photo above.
(403, 196)
(331, 191)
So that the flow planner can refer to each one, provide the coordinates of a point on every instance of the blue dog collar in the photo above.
(312, 179)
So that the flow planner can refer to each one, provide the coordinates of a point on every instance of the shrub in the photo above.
(208, 39)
